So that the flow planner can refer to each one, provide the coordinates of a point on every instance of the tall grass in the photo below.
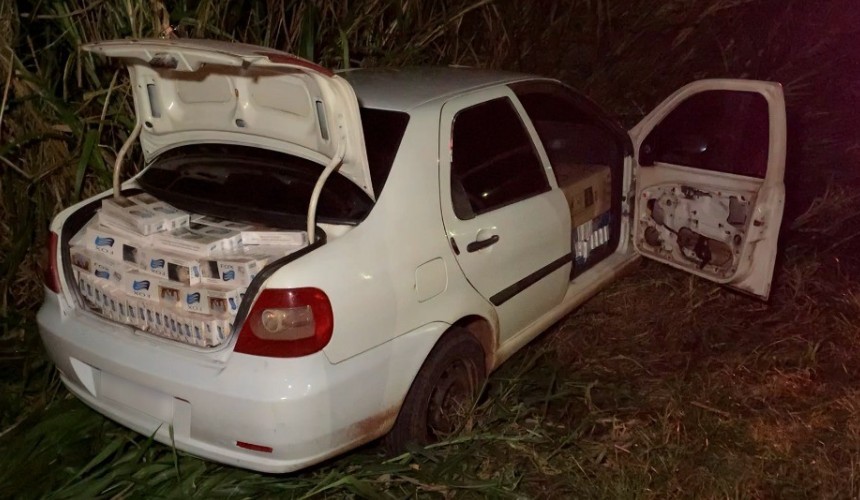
(598, 407)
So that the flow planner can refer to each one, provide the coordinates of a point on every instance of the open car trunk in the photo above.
(183, 254)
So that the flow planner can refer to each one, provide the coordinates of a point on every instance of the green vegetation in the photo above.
(663, 385)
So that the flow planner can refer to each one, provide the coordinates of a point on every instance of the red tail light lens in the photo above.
(51, 275)
(287, 323)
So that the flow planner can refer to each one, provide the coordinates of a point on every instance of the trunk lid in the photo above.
(204, 91)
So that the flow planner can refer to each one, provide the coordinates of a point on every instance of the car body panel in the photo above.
(195, 91)
(522, 249)
(317, 410)
(703, 200)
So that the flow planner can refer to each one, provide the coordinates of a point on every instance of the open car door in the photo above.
(709, 173)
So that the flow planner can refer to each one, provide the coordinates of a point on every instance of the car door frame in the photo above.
(755, 270)
(548, 284)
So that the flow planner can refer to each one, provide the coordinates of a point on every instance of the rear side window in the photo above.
(494, 162)
(252, 185)
(718, 130)
(383, 132)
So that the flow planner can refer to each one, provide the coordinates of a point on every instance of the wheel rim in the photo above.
(451, 399)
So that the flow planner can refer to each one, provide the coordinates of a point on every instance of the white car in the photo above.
(458, 214)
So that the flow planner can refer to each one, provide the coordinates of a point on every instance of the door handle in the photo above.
(477, 245)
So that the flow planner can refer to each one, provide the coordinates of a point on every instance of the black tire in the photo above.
(442, 394)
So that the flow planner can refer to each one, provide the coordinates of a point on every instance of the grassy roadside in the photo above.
(662, 386)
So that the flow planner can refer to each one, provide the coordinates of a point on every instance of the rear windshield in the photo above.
(251, 184)
(258, 185)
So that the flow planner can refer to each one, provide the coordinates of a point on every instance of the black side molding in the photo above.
(511, 291)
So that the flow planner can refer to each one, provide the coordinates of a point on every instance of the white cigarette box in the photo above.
(169, 294)
(224, 223)
(186, 240)
(139, 285)
(173, 267)
(142, 218)
(223, 300)
(100, 268)
(114, 243)
(237, 270)
(194, 299)
(268, 236)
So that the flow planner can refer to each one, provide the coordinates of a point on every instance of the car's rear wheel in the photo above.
(441, 397)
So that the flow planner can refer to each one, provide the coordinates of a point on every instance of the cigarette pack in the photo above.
(110, 242)
(223, 300)
(236, 270)
(139, 285)
(222, 223)
(146, 219)
(216, 330)
(268, 236)
(194, 299)
(101, 268)
(172, 266)
(186, 240)
(230, 239)
(143, 199)
(169, 293)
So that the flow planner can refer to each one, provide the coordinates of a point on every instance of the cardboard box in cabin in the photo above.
(588, 190)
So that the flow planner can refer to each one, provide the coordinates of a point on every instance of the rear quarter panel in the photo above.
(369, 274)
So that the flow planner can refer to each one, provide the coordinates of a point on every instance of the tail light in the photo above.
(50, 272)
(287, 323)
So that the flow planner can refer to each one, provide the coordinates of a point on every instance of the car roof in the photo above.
(403, 89)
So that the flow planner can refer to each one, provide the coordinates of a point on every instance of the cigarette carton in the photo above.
(145, 219)
(223, 223)
(268, 236)
(143, 199)
(114, 243)
(186, 240)
(139, 285)
(169, 294)
(236, 270)
(223, 300)
(173, 267)
(194, 299)
(98, 267)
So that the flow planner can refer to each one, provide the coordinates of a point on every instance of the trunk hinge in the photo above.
(335, 162)
(117, 165)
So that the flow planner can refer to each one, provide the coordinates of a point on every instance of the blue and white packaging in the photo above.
(274, 237)
(222, 300)
(194, 299)
(140, 285)
(173, 267)
(230, 270)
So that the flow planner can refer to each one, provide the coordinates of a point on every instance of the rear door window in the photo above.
(494, 161)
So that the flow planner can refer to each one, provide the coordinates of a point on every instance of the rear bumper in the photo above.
(305, 409)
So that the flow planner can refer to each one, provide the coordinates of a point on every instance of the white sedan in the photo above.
(453, 215)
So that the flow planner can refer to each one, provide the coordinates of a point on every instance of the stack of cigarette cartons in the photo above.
(178, 275)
